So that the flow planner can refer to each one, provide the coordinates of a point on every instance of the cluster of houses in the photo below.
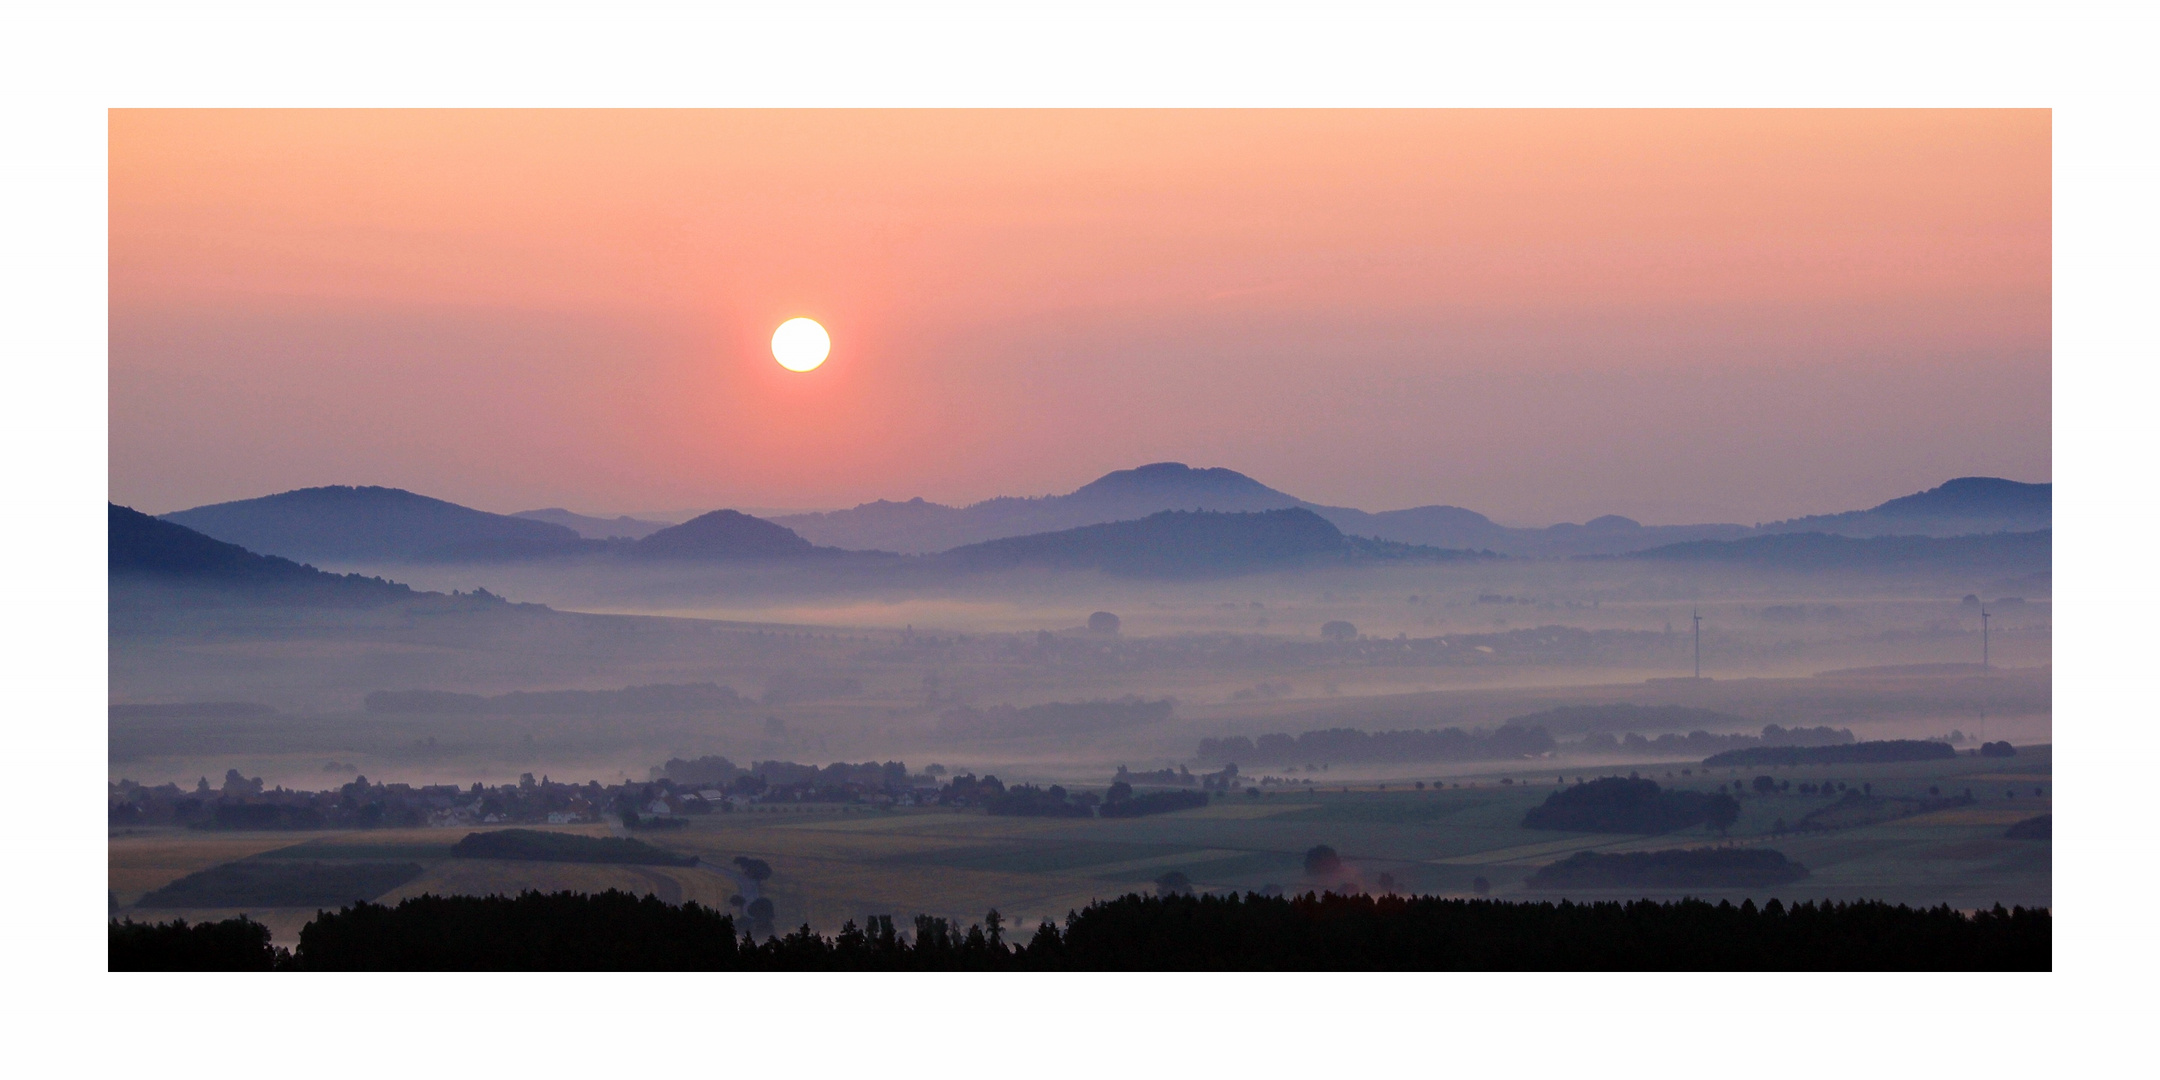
(245, 803)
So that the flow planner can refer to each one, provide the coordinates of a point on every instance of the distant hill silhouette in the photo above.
(1992, 553)
(1966, 505)
(1455, 527)
(388, 524)
(914, 527)
(374, 523)
(920, 527)
(1187, 543)
(143, 548)
(723, 534)
(594, 528)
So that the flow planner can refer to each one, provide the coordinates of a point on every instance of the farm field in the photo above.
(831, 864)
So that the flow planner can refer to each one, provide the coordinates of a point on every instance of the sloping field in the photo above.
(147, 859)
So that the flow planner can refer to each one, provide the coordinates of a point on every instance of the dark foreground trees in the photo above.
(238, 944)
(614, 931)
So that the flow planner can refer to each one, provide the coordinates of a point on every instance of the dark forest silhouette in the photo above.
(614, 931)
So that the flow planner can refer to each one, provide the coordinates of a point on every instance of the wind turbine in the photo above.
(1698, 643)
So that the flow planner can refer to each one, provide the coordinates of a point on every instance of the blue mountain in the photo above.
(374, 524)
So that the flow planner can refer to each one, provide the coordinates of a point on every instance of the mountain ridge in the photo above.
(724, 534)
(376, 523)
(370, 522)
(595, 528)
(1972, 504)
(141, 547)
(1188, 543)
(918, 526)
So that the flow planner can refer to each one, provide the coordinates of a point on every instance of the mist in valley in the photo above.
(822, 666)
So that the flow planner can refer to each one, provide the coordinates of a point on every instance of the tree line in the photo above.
(1886, 750)
(1352, 744)
(1174, 931)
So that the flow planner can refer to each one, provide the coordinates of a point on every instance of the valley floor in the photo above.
(833, 864)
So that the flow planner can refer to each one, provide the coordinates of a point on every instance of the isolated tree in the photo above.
(1765, 785)
(1119, 792)
(1102, 622)
(1338, 630)
(1321, 860)
(754, 869)
(1722, 810)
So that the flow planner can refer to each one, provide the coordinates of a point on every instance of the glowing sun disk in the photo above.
(800, 344)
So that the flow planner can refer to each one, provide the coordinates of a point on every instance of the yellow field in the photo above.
(146, 859)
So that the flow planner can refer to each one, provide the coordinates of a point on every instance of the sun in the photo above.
(800, 344)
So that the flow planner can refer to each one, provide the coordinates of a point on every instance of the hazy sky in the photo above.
(1678, 316)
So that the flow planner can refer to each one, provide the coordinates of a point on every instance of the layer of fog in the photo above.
(844, 669)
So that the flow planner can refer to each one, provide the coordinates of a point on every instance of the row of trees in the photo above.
(1703, 742)
(614, 931)
(1877, 752)
(1351, 744)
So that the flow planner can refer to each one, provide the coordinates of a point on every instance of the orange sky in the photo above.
(1540, 315)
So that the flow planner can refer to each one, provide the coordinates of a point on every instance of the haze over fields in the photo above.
(1224, 609)
(1317, 666)
(1165, 498)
